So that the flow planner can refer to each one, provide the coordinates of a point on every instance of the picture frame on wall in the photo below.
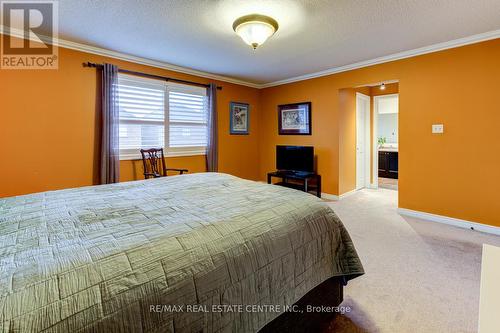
(239, 121)
(294, 119)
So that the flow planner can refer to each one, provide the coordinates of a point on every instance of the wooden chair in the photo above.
(154, 163)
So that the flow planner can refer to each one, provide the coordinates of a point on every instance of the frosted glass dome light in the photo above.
(255, 29)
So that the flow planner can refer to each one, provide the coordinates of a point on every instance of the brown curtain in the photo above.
(212, 148)
(110, 150)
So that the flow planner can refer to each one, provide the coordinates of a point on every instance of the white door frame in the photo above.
(375, 133)
(367, 146)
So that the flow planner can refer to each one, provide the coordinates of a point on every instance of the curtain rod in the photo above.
(152, 76)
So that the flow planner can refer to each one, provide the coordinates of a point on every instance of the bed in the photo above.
(132, 257)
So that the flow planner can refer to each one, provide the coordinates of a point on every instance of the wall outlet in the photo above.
(437, 128)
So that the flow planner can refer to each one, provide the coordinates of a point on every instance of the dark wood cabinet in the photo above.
(388, 164)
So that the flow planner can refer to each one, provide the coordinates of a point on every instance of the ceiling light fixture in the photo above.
(255, 29)
(382, 86)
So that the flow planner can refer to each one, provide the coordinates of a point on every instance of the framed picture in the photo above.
(294, 119)
(239, 122)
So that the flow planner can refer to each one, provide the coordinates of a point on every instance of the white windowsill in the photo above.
(130, 157)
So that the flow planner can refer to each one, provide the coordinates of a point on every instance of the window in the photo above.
(155, 113)
(187, 110)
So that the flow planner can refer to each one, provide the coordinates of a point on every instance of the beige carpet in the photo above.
(389, 183)
(420, 276)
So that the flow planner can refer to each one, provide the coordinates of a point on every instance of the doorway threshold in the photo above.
(388, 183)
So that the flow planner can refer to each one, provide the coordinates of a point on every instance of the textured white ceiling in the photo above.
(314, 35)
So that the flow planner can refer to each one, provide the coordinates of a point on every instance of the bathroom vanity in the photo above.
(388, 163)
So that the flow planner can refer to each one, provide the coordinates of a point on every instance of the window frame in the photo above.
(134, 154)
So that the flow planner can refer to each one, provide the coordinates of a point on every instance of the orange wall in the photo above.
(347, 138)
(347, 141)
(49, 134)
(324, 119)
(49, 127)
(454, 174)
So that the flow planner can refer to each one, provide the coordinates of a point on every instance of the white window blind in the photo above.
(187, 118)
(157, 114)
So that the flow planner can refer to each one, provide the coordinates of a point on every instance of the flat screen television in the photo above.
(295, 158)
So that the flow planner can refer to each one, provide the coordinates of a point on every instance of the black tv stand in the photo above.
(300, 180)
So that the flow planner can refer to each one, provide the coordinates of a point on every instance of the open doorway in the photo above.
(386, 143)
(377, 143)
(358, 126)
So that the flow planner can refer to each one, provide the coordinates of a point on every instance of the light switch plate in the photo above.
(437, 128)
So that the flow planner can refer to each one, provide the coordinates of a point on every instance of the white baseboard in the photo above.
(346, 194)
(329, 196)
(450, 221)
(337, 197)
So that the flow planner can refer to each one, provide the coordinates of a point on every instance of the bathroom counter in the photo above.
(388, 149)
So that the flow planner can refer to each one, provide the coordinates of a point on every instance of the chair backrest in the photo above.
(153, 162)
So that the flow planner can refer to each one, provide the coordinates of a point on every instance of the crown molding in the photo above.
(163, 65)
(131, 58)
(396, 56)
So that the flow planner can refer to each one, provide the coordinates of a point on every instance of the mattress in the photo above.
(184, 253)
